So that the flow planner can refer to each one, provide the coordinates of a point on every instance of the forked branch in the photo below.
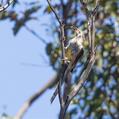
(90, 60)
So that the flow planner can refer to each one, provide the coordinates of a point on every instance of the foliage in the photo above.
(99, 98)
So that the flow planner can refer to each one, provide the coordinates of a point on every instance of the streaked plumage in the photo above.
(74, 51)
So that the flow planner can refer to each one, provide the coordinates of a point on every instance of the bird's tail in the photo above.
(54, 95)
(62, 75)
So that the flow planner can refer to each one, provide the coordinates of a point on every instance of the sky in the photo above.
(19, 79)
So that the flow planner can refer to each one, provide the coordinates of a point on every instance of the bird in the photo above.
(74, 51)
(75, 44)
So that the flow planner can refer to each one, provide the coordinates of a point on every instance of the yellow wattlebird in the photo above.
(74, 51)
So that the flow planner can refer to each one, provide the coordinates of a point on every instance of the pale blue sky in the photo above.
(17, 81)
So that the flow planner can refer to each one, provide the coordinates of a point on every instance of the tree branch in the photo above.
(2, 8)
(58, 18)
(33, 98)
(62, 25)
(83, 78)
(77, 88)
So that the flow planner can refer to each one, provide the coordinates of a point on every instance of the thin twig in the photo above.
(2, 8)
(35, 34)
(58, 18)
(62, 25)
(60, 94)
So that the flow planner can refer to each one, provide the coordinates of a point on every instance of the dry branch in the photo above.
(28, 103)
(4, 7)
